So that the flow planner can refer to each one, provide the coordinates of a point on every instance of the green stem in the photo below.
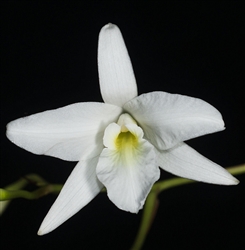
(14, 191)
(16, 186)
(148, 214)
(236, 170)
(42, 191)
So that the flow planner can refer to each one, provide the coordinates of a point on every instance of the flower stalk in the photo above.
(15, 190)
(152, 202)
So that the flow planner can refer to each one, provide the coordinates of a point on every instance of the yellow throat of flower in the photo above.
(126, 141)
(124, 138)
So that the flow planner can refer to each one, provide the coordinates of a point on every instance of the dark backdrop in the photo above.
(48, 57)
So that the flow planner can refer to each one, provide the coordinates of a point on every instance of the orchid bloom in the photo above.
(120, 144)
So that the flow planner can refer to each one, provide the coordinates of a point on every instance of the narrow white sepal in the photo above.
(186, 162)
(80, 188)
(68, 133)
(116, 75)
(168, 119)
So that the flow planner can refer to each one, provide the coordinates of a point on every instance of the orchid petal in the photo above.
(168, 119)
(184, 161)
(80, 188)
(67, 133)
(117, 80)
(127, 169)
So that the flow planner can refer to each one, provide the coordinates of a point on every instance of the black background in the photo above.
(48, 60)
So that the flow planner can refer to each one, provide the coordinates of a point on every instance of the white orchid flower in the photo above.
(121, 143)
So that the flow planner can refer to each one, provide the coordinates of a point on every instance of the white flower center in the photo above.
(123, 137)
(125, 119)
